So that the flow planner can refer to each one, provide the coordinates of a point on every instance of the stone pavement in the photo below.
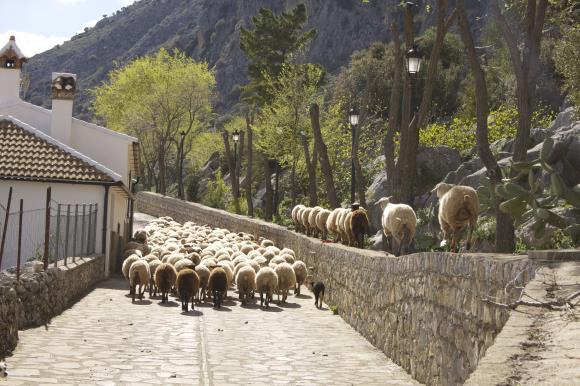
(105, 340)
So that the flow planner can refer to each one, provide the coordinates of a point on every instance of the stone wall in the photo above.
(38, 297)
(425, 311)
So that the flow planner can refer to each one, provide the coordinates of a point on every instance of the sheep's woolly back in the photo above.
(321, 219)
(300, 271)
(229, 271)
(127, 265)
(246, 279)
(153, 265)
(139, 273)
(295, 212)
(312, 216)
(203, 274)
(400, 221)
(305, 214)
(359, 222)
(165, 277)
(266, 279)
(332, 221)
(286, 276)
(184, 264)
(459, 206)
(187, 283)
(218, 280)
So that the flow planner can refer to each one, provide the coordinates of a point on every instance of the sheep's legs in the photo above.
(133, 294)
(469, 237)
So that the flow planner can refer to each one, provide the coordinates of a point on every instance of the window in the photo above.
(10, 63)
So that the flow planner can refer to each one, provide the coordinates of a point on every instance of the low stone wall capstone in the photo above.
(426, 311)
(38, 297)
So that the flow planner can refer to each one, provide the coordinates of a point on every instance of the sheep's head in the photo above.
(442, 188)
(383, 202)
(3, 370)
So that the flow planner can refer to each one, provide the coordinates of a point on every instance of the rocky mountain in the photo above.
(209, 30)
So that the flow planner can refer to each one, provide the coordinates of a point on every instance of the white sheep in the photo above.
(246, 283)
(296, 218)
(458, 207)
(203, 273)
(333, 221)
(321, 219)
(139, 275)
(399, 222)
(266, 284)
(286, 280)
(305, 214)
(153, 265)
(312, 220)
(301, 273)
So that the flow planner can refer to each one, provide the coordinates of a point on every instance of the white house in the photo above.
(85, 165)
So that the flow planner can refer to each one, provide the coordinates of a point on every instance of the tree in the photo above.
(323, 156)
(273, 42)
(154, 98)
(504, 227)
(524, 49)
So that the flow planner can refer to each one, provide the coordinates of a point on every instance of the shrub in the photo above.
(218, 193)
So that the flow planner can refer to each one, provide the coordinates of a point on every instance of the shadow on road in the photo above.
(170, 303)
(195, 313)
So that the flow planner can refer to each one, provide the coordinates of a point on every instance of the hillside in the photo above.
(208, 30)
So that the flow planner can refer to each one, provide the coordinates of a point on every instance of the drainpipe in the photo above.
(105, 210)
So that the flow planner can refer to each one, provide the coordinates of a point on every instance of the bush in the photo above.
(218, 193)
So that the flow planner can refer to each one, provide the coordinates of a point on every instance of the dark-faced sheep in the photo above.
(187, 287)
(458, 207)
(358, 226)
(165, 277)
(218, 285)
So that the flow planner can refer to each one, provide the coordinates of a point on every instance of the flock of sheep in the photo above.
(458, 207)
(198, 262)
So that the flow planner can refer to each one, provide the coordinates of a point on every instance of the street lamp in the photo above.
(236, 138)
(353, 116)
(180, 187)
(413, 60)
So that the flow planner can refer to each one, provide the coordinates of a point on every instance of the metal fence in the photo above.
(60, 231)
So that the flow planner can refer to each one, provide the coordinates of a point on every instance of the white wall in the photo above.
(9, 84)
(34, 196)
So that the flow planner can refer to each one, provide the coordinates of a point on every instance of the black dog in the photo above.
(318, 289)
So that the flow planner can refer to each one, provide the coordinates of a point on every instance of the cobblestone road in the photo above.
(106, 340)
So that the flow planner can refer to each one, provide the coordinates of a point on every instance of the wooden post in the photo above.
(75, 232)
(47, 228)
(19, 239)
(57, 235)
(6, 218)
(67, 232)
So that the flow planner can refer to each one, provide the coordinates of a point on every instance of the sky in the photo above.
(41, 24)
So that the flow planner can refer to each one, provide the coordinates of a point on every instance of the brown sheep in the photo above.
(358, 226)
(218, 285)
(165, 277)
(458, 206)
(187, 287)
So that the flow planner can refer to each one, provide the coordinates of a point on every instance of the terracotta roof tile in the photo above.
(27, 157)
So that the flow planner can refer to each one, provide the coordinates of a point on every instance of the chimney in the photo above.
(11, 61)
(63, 92)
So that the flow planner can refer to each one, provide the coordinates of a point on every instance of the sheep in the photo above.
(458, 206)
(266, 284)
(140, 236)
(165, 277)
(203, 274)
(277, 260)
(321, 219)
(183, 264)
(286, 280)
(318, 289)
(301, 273)
(139, 275)
(129, 252)
(332, 223)
(187, 287)
(297, 221)
(153, 265)
(246, 282)
(127, 263)
(399, 222)
(229, 271)
(266, 243)
(288, 251)
(304, 215)
(218, 282)
(288, 258)
(357, 226)
(312, 221)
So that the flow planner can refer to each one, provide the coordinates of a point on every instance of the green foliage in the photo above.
(459, 133)
(533, 202)
(218, 193)
(567, 61)
(334, 309)
(273, 43)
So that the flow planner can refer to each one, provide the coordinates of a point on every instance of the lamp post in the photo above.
(236, 138)
(353, 116)
(413, 61)
(180, 179)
